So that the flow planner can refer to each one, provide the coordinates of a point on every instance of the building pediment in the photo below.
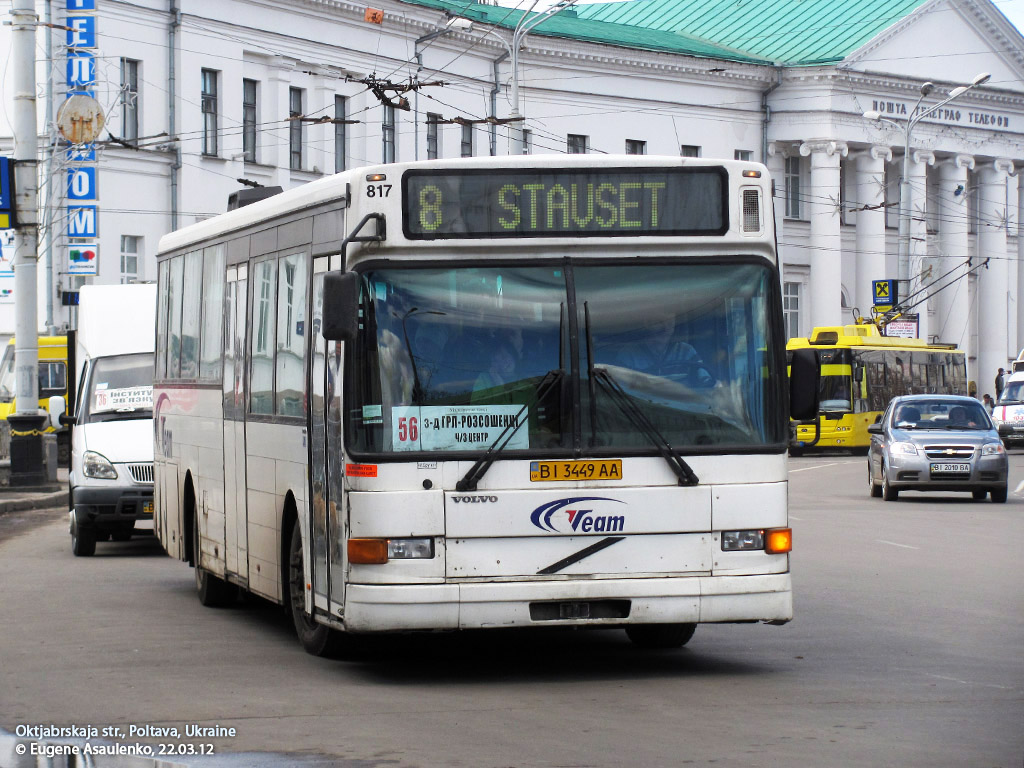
(947, 42)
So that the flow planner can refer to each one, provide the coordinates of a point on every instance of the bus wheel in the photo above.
(876, 489)
(317, 639)
(83, 540)
(999, 495)
(888, 492)
(660, 635)
(213, 592)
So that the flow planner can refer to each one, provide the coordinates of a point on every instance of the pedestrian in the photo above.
(999, 384)
(987, 400)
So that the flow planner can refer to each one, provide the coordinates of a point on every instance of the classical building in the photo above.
(199, 94)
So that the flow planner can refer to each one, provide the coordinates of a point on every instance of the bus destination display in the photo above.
(602, 202)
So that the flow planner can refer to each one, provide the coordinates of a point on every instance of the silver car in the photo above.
(936, 443)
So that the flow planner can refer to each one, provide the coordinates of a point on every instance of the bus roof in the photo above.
(335, 188)
(861, 335)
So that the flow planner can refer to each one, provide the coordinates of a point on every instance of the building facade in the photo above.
(200, 95)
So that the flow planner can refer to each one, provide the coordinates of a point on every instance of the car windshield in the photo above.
(941, 414)
(1013, 393)
(120, 387)
(448, 358)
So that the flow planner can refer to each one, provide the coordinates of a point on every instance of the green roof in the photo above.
(782, 31)
(568, 24)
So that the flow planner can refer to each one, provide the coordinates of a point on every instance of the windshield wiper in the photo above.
(627, 404)
(472, 477)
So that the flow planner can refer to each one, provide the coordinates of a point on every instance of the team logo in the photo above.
(580, 514)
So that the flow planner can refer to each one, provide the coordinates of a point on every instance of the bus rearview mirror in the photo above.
(805, 373)
(341, 306)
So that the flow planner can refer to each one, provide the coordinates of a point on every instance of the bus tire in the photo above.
(213, 592)
(888, 492)
(83, 540)
(315, 638)
(875, 488)
(999, 495)
(796, 452)
(660, 635)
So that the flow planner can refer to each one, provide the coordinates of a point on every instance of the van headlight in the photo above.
(96, 465)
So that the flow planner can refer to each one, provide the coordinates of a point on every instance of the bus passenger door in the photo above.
(235, 514)
(326, 508)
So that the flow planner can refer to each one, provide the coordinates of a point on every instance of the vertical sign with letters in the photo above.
(82, 175)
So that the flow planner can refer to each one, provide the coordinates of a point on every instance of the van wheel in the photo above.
(213, 592)
(315, 638)
(83, 540)
(999, 495)
(660, 635)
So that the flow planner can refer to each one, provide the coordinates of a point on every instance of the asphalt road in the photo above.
(906, 650)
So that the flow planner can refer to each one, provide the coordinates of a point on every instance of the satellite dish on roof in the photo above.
(80, 119)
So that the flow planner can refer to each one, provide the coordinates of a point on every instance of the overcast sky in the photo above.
(1014, 10)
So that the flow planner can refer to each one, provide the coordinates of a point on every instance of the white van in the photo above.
(111, 473)
(1008, 412)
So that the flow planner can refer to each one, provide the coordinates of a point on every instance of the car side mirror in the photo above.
(875, 429)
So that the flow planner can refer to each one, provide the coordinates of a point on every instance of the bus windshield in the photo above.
(452, 358)
(120, 387)
(834, 393)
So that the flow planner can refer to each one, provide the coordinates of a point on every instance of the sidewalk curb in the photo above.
(40, 501)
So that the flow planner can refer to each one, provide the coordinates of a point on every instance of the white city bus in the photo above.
(497, 392)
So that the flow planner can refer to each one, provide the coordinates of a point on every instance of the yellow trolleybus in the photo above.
(861, 371)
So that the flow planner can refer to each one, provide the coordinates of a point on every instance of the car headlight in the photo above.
(96, 465)
(992, 449)
(905, 448)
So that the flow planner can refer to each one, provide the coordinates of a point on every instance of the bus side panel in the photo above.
(203, 454)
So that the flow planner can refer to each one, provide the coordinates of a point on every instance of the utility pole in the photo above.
(27, 420)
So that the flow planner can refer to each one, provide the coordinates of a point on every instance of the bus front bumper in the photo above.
(595, 602)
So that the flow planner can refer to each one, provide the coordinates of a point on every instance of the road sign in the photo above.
(885, 293)
(7, 219)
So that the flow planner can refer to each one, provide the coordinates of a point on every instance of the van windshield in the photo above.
(120, 387)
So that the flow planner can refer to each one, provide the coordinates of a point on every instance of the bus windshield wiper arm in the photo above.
(472, 477)
(627, 404)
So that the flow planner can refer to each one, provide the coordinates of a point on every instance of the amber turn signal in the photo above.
(367, 551)
(778, 541)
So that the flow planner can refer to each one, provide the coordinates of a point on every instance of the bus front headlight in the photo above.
(96, 465)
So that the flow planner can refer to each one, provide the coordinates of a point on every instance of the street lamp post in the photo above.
(903, 270)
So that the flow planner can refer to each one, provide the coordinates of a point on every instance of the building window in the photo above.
(791, 309)
(209, 108)
(130, 100)
(636, 147)
(249, 95)
(388, 134)
(577, 144)
(467, 141)
(295, 142)
(792, 187)
(340, 151)
(527, 141)
(689, 150)
(129, 258)
(746, 155)
(433, 136)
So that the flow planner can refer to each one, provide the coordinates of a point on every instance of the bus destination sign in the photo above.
(586, 202)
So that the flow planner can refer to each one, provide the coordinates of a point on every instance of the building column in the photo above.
(919, 162)
(776, 163)
(870, 205)
(953, 303)
(320, 136)
(993, 285)
(826, 247)
(1019, 341)
(274, 143)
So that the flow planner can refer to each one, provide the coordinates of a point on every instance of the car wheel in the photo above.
(875, 488)
(83, 540)
(213, 591)
(888, 492)
(978, 495)
(660, 635)
(999, 495)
